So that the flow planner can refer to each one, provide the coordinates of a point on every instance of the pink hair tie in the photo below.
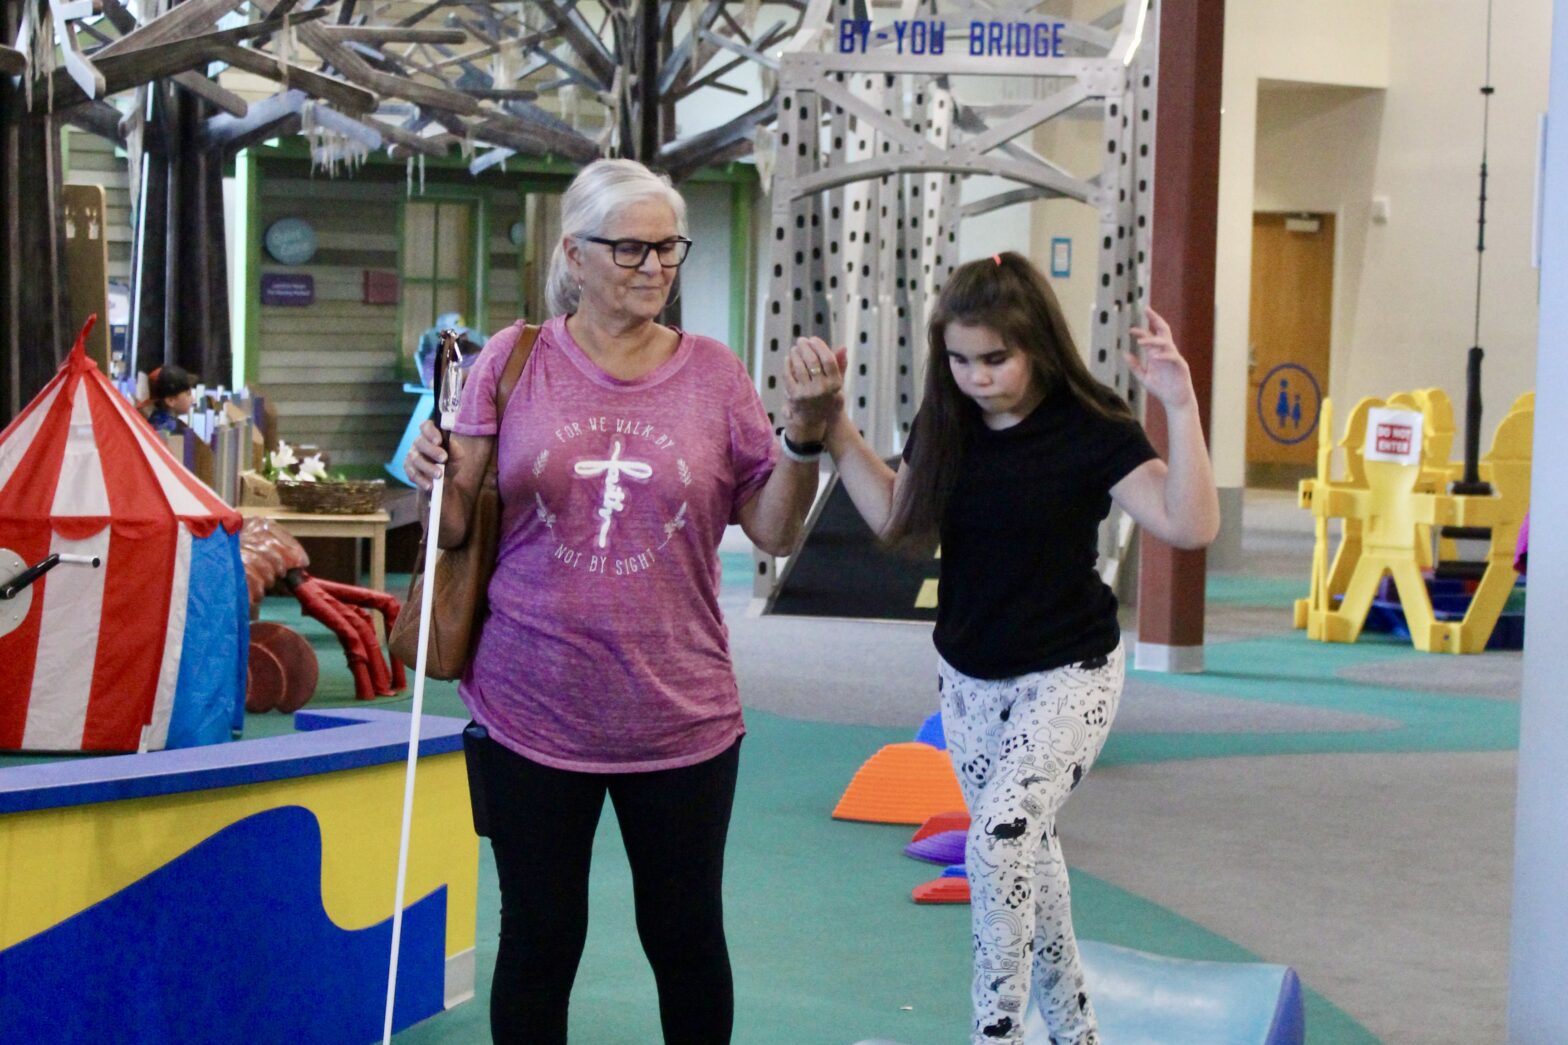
(997, 258)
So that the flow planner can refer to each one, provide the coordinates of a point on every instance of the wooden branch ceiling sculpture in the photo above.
(543, 77)
(485, 80)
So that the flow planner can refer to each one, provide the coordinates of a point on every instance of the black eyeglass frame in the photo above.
(647, 248)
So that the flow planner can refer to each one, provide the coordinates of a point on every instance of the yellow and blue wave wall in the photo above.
(238, 893)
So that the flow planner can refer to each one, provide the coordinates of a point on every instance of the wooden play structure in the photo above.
(1399, 518)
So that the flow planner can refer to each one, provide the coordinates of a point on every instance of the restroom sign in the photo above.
(1393, 435)
(1288, 403)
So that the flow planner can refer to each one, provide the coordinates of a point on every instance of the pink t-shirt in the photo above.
(604, 650)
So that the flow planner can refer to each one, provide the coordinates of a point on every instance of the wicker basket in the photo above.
(351, 497)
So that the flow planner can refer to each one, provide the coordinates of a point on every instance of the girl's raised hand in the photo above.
(1162, 370)
(814, 382)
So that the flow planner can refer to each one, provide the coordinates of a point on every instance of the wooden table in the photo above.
(372, 527)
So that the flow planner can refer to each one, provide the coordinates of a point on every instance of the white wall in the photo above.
(1074, 142)
(1539, 952)
(1342, 42)
(1405, 291)
(1003, 229)
(1317, 151)
(235, 245)
(1428, 165)
(705, 278)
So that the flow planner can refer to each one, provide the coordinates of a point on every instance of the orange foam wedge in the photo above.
(901, 784)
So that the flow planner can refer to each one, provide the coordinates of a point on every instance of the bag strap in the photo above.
(514, 370)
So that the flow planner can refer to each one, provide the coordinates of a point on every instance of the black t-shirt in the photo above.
(1019, 591)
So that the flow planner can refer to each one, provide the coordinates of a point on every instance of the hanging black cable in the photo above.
(1471, 483)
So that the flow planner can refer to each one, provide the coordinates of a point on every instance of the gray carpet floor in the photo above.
(1383, 878)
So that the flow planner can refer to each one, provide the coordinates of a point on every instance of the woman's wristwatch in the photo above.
(805, 453)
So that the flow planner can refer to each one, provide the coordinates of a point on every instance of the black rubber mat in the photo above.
(841, 571)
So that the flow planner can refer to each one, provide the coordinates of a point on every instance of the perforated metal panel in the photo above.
(867, 188)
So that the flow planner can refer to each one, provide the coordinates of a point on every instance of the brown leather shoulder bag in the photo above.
(459, 604)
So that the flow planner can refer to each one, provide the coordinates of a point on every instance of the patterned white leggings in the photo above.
(1020, 746)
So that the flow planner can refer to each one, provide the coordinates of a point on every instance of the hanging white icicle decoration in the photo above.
(333, 143)
(307, 130)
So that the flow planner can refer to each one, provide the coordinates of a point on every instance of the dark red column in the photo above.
(1186, 219)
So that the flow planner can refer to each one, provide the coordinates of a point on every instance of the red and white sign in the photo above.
(1393, 435)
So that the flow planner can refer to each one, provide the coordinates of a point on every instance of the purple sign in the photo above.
(286, 288)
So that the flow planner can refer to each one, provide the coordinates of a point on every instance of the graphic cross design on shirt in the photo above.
(612, 468)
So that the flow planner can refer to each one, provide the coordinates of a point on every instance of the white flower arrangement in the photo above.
(283, 465)
(311, 469)
(281, 459)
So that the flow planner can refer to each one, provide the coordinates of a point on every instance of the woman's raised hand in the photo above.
(1162, 370)
(426, 457)
(814, 382)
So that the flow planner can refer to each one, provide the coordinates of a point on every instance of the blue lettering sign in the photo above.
(1016, 39)
(853, 34)
(994, 35)
(907, 37)
(990, 39)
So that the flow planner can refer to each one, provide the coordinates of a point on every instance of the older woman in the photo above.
(604, 665)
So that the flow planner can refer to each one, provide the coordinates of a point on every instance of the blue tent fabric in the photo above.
(209, 697)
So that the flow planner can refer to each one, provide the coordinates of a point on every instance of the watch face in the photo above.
(291, 241)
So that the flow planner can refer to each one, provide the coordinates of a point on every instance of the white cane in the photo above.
(449, 395)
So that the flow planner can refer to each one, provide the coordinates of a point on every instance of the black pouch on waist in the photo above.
(476, 756)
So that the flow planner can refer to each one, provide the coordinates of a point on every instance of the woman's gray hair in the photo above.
(598, 191)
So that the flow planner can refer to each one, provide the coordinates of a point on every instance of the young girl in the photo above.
(1014, 459)
(169, 397)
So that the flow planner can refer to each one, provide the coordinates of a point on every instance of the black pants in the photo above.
(674, 823)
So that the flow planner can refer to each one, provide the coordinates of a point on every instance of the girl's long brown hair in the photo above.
(1006, 294)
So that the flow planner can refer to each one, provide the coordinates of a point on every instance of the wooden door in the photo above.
(1289, 332)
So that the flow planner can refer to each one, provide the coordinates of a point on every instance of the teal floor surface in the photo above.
(827, 946)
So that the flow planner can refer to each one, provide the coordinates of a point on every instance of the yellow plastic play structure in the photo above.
(1397, 518)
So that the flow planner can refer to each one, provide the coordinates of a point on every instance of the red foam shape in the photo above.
(958, 821)
(297, 657)
(942, 890)
(265, 683)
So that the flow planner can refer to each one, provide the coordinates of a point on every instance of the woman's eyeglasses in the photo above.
(631, 253)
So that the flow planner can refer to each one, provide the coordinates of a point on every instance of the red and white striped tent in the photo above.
(149, 650)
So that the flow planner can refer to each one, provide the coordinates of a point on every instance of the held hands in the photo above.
(814, 382)
(426, 457)
(1162, 370)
